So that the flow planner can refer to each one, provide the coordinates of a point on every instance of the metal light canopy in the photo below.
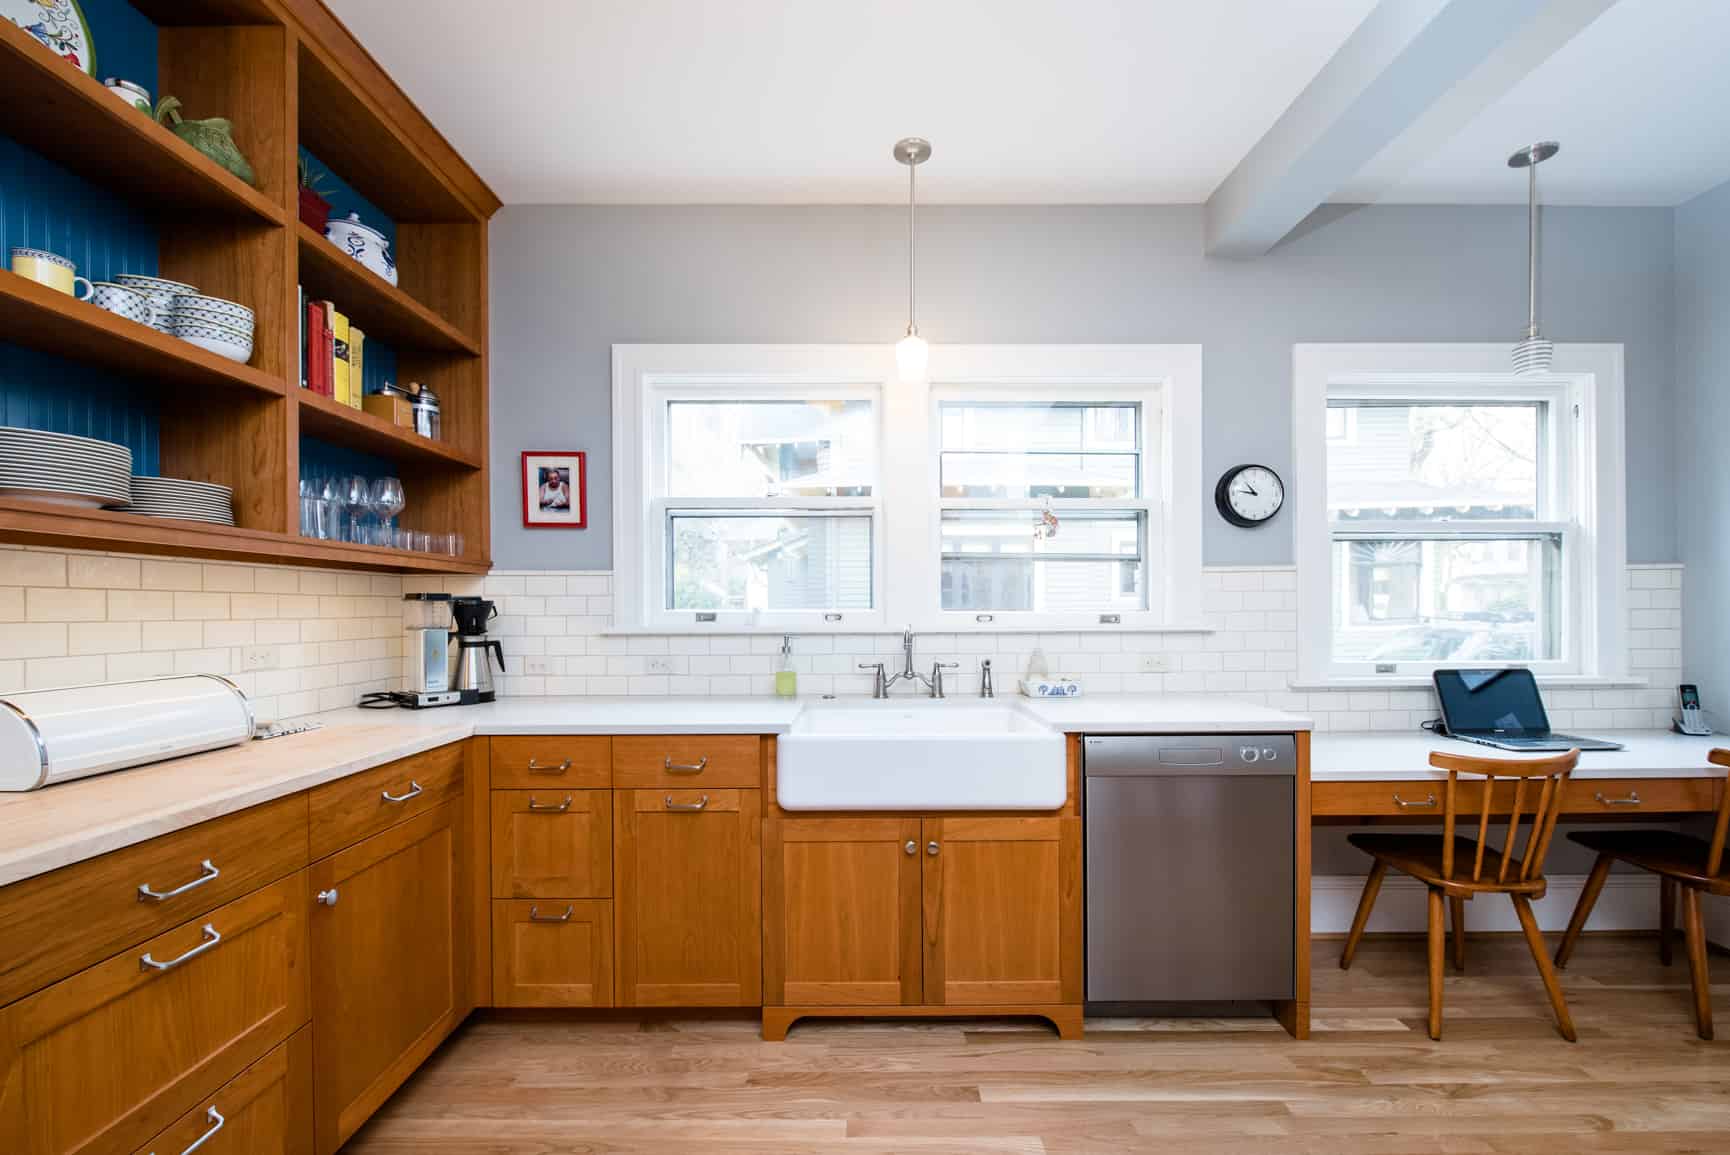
(912, 354)
(1534, 353)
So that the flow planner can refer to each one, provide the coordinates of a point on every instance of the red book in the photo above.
(317, 367)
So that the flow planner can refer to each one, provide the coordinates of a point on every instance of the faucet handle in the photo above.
(937, 669)
(880, 687)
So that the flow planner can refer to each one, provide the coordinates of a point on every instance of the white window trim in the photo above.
(1167, 378)
(1587, 375)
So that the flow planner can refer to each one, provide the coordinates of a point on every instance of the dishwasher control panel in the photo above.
(1120, 754)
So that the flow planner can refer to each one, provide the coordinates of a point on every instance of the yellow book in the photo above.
(356, 366)
(339, 374)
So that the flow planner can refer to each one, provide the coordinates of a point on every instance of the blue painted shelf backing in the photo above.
(380, 359)
(43, 206)
(322, 459)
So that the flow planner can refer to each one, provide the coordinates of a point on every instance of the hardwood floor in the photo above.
(1368, 1083)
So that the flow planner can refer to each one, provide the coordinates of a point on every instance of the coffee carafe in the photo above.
(473, 677)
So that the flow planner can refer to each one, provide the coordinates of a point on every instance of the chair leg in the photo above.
(1366, 903)
(1535, 940)
(1666, 918)
(1457, 913)
(1583, 908)
(1437, 937)
(1697, 970)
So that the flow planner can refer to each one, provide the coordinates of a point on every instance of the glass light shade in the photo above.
(912, 355)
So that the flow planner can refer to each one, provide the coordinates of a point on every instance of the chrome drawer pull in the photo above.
(536, 768)
(216, 1122)
(414, 792)
(671, 805)
(1429, 802)
(1633, 799)
(544, 808)
(210, 872)
(211, 938)
(535, 915)
(673, 767)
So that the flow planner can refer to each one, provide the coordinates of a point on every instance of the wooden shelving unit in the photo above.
(286, 73)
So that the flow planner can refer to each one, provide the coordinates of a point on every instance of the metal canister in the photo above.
(426, 410)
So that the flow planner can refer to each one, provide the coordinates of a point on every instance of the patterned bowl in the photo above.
(236, 313)
(224, 342)
(187, 315)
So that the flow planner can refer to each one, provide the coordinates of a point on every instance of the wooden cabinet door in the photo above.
(552, 843)
(385, 964)
(1002, 911)
(103, 1060)
(687, 907)
(553, 953)
(264, 1110)
(841, 912)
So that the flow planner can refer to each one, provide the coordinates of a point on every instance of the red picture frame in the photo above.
(541, 511)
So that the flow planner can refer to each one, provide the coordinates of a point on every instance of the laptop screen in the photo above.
(1491, 702)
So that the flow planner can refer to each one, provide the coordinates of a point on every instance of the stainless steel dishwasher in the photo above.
(1190, 868)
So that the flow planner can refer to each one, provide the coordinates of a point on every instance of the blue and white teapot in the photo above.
(366, 245)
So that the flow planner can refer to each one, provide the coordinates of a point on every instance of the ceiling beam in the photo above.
(1410, 77)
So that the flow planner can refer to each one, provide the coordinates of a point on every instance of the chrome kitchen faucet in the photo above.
(933, 685)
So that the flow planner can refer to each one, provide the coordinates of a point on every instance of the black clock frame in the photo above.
(1222, 497)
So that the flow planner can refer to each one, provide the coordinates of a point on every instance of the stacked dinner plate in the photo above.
(63, 469)
(182, 500)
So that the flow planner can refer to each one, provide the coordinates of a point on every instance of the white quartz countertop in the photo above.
(47, 829)
(1648, 753)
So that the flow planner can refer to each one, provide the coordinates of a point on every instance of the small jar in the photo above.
(426, 410)
(134, 94)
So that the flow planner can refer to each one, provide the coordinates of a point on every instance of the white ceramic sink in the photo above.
(919, 755)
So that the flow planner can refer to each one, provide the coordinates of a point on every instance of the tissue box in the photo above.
(1050, 687)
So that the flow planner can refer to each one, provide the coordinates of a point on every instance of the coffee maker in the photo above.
(472, 676)
(427, 651)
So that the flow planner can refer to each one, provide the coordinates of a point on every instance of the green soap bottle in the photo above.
(786, 679)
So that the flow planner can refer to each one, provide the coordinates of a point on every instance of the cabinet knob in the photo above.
(912, 846)
(326, 897)
(931, 849)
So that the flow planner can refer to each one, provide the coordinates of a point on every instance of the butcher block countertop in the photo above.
(47, 829)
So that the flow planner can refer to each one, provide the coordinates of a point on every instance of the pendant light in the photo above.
(912, 354)
(1534, 353)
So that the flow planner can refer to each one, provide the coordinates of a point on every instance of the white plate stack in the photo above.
(182, 500)
(63, 469)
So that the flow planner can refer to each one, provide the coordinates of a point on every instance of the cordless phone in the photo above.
(1691, 721)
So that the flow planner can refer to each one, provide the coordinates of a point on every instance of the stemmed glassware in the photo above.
(388, 500)
(356, 493)
(363, 510)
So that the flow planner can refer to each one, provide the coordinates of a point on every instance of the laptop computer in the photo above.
(1502, 708)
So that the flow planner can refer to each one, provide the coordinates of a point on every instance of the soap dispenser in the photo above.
(786, 678)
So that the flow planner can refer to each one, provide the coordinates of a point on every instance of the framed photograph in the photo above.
(555, 491)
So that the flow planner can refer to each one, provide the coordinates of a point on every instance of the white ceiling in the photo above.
(1640, 101)
(1025, 101)
(799, 101)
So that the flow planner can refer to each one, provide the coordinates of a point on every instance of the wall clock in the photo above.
(1249, 495)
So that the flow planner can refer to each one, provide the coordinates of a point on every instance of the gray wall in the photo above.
(1703, 416)
(569, 281)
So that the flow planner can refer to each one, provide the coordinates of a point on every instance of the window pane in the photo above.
(1037, 450)
(1094, 563)
(1477, 600)
(769, 562)
(770, 448)
(1425, 462)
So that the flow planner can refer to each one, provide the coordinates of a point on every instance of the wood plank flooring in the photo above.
(1368, 1083)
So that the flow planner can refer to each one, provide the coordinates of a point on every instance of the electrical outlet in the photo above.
(260, 657)
(1156, 663)
(537, 667)
(660, 665)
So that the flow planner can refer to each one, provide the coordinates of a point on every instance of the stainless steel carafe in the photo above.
(473, 676)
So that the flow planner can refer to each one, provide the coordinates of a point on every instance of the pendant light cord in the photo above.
(1532, 251)
(912, 173)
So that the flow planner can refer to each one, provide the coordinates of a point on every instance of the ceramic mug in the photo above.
(50, 269)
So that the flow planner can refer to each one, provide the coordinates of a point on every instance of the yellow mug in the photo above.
(50, 269)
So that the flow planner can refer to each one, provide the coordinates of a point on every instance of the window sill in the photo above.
(728, 629)
(1420, 682)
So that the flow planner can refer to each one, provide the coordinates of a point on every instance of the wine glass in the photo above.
(356, 493)
(388, 500)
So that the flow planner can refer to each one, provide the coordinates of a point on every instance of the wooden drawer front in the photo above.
(103, 1060)
(42, 942)
(543, 763)
(552, 843)
(725, 760)
(553, 953)
(347, 810)
(1421, 799)
(264, 1110)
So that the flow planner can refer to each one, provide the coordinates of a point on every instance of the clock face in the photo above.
(1249, 495)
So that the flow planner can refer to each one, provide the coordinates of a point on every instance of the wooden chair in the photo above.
(1437, 861)
(1681, 862)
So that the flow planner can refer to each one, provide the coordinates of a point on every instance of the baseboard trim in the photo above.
(1629, 902)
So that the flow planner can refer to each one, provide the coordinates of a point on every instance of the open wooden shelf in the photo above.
(68, 117)
(102, 529)
(332, 421)
(381, 309)
(38, 317)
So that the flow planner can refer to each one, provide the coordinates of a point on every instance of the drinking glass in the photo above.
(356, 494)
(388, 500)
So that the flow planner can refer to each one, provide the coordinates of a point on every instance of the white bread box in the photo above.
(50, 736)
